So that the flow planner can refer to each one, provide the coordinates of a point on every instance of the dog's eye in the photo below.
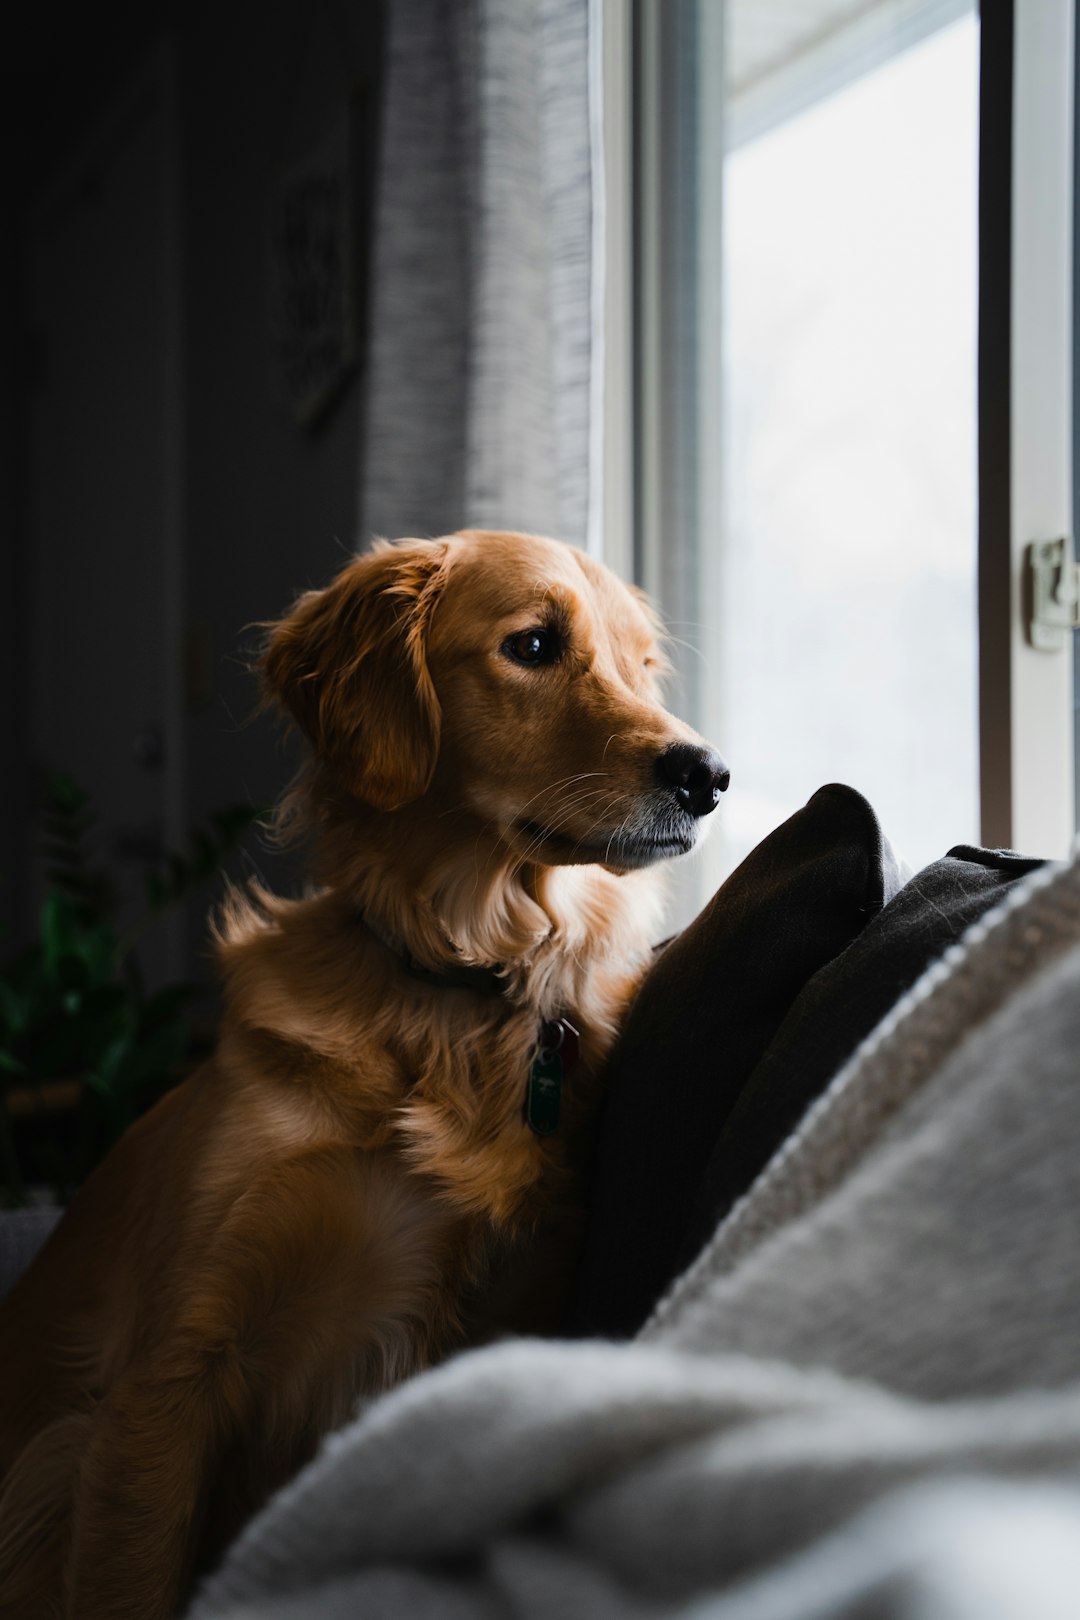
(532, 647)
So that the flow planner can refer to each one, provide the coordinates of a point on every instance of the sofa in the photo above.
(822, 1357)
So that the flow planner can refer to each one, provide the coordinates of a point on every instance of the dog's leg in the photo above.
(139, 1494)
(322, 1281)
(35, 1510)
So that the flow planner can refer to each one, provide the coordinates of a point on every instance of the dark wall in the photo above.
(269, 504)
(14, 651)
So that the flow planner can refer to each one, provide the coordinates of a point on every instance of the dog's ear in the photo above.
(349, 665)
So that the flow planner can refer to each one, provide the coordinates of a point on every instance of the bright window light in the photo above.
(846, 648)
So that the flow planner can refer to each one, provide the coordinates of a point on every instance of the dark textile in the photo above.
(839, 1007)
(704, 1018)
(741, 1025)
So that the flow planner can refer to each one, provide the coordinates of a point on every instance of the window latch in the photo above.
(1054, 593)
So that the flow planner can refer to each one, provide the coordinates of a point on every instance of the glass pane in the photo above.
(842, 591)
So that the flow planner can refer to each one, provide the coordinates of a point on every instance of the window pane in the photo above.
(842, 592)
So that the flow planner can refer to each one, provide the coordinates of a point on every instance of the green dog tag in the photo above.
(544, 1093)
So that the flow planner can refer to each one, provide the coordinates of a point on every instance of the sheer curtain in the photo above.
(480, 377)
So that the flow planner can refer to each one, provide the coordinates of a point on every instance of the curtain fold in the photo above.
(478, 383)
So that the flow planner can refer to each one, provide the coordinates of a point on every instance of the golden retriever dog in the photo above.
(381, 1161)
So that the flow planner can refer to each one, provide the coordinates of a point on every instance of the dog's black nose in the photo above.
(696, 775)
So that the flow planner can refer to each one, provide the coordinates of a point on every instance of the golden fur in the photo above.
(347, 1190)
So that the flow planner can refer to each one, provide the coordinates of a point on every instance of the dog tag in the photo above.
(556, 1053)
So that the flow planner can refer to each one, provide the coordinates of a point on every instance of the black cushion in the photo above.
(837, 1010)
(700, 1025)
(741, 1024)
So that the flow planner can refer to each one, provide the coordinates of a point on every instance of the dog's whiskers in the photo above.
(561, 818)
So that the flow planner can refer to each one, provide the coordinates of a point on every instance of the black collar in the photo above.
(485, 981)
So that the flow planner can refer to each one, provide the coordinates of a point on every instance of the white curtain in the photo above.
(479, 378)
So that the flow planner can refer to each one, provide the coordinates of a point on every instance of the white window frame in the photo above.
(1026, 723)
(1027, 766)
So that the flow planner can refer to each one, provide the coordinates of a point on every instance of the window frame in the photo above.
(1026, 749)
(1025, 353)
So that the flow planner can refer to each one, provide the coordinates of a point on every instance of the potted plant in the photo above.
(85, 1046)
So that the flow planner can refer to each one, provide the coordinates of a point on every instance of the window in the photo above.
(812, 429)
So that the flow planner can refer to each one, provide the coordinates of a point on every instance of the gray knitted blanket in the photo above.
(862, 1400)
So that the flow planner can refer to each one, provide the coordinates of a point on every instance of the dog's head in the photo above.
(503, 677)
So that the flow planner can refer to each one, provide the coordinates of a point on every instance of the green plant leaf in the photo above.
(57, 930)
(72, 1004)
(98, 949)
(16, 1002)
(70, 972)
